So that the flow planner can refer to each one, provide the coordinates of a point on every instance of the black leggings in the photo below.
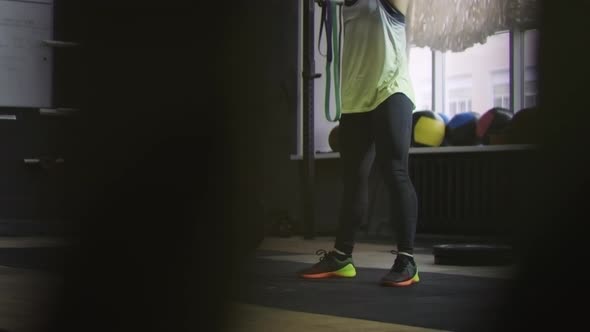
(384, 135)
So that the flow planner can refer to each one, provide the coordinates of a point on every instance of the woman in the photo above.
(377, 105)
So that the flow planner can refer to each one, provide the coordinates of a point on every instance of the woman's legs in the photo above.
(392, 124)
(384, 133)
(356, 154)
(389, 126)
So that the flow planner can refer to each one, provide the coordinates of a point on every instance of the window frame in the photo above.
(516, 71)
(516, 77)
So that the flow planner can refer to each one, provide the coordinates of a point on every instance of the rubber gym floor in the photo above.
(272, 298)
(448, 298)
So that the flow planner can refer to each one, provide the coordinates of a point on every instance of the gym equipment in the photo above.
(461, 130)
(524, 127)
(472, 254)
(428, 129)
(492, 125)
(333, 139)
(332, 20)
(444, 117)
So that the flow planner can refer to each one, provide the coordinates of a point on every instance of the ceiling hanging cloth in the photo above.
(455, 25)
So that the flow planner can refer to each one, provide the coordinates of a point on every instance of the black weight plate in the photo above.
(472, 254)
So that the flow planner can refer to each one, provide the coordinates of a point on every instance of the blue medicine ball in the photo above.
(444, 117)
(461, 129)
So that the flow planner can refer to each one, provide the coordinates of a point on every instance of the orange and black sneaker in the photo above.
(403, 272)
(331, 265)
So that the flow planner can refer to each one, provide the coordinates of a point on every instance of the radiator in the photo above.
(471, 193)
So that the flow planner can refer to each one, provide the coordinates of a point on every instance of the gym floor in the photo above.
(28, 282)
(271, 298)
(448, 298)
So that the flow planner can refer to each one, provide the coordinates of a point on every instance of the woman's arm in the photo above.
(401, 5)
(406, 7)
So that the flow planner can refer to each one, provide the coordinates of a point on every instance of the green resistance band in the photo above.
(334, 24)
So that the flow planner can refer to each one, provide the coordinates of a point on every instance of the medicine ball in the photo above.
(444, 117)
(524, 127)
(461, 130)
(492, 125)
(428, 129)
(333, 139)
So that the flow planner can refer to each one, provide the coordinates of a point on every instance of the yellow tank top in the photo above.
(374, 58)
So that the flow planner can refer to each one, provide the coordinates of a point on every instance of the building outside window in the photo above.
(501, 88)
(482, 91)
(459, 95)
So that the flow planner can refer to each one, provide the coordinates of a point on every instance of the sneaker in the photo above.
(403, 272)
(329, 266)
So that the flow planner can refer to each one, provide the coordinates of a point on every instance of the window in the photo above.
(530, 87)
(531, 43)
(421, 75)
(460, 106)
(503, 102)
(459, 94)
(481, 91)
(530, 101)
(501, 88)
(452, 108)
(473, 80)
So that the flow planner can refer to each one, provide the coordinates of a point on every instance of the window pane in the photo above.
(497, 102)
(531, 44)
(452, 108)
(487, 69)
(501, 88)
(530, 101)
(421, 75)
